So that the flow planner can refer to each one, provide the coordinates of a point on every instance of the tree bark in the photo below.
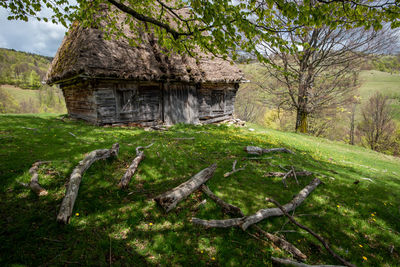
(255, 150)
(124, 182)
(226, 207)
(34, 183)
(171, 198)
(68, 202)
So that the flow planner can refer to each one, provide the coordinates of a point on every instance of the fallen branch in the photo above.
(184, 138)
(260, 215)
(34, 183)
(171, 198)
(272, 212)
(124, 182)
(295, 176)
(298, 264)
(324, 243)
(68, 202)
(284, 178)
(226, 207)
(233, 210)
(281, 174)
(234, 169)
(72, 134)
(255, 150)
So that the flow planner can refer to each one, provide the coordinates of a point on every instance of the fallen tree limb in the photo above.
(234, 169)
(272, 212)
(298, 264)
(284, 178)
(320, 239)
(226, 207)
(171, 198)
(124, 182)
(34, 183)
(295, 176)
(260, 215)
(233, 210)
(68, 202)
(281, 174)
(255, 150)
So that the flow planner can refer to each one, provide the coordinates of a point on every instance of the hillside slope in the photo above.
(111, 226)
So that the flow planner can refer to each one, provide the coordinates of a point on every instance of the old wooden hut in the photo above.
(110, 81)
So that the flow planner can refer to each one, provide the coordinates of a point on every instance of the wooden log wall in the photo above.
(80, 101)
(216, 100)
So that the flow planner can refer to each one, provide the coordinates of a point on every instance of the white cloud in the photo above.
(32, 36)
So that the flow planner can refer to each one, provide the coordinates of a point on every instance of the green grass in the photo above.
(130, 227)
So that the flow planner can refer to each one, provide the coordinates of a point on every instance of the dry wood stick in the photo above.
(171, 198)
(311, 232)
(295, 176)
(34, 183)
(68, 202)
(124, 182)
(234, 169)
(236, 211)
(255, 150)
(284, 178)
(281, 174)
(298, 264)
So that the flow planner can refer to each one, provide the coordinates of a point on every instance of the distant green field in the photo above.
(21, 95)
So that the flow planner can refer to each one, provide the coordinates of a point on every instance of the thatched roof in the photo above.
(85, 52)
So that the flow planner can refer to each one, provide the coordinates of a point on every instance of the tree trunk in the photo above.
(353, 112)
(301, 121)
(171, 198)
(68, 202)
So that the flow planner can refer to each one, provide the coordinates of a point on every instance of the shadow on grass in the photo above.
(130, 227)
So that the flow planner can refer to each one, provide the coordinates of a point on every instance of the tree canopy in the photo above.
(222, 27)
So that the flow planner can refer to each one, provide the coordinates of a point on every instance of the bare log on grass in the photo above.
(124, 182)
(320, 239)
(171, 198)
(34, 183)
(298, 264)
(260, 215)
(233, 210)
(68, 202)
(255, 150)
(234, 170)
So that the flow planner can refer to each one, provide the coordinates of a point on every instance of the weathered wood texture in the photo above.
(180, 103)
(133, 167)
(255, 150)
(216, 100)
(113, 102)
(80, 101)
(68, 202)
(246, 221)
(34, 183)
(171, 198)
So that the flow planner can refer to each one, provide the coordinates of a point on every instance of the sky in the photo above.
(32, 36)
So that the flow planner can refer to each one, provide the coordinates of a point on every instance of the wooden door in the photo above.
(180, 104)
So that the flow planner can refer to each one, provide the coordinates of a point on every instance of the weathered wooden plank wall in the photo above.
(216, 100)
(80, 101)
(180, 103)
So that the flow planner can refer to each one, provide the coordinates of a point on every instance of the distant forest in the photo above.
(22, 88)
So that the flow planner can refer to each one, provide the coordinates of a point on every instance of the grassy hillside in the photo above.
(22, 69)
(360, 220)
